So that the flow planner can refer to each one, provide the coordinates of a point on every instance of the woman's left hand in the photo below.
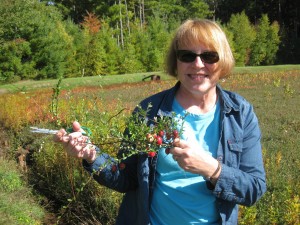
(193, 159)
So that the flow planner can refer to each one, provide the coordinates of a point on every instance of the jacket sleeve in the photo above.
(106, 171)
(242, 179)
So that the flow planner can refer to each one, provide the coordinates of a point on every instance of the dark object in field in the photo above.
(152, 77)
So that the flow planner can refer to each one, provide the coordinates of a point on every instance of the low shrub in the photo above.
(78, 198)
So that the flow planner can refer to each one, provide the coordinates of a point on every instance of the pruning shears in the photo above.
(86, 130)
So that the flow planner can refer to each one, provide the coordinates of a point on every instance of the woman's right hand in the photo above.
(76, 144)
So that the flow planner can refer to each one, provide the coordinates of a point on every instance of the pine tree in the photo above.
(243, 36)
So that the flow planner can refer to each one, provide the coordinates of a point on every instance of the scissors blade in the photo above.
(42, 130)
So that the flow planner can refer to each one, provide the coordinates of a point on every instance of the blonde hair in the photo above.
(207, 33)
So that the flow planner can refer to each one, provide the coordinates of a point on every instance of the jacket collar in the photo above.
(228, 99)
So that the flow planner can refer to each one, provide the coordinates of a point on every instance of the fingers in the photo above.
(85, 151)
(65, 138)
(90, 153)
(176, 150)
(77, 138)
(77, 145)
(60, 136)
(178, 147)
(180, 143)
(176, 142)
(181, 150)
(76, 127)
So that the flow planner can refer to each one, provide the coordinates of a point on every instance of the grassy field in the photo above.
(99, 81)
(69, 83)
(273, 91)
(17, 204)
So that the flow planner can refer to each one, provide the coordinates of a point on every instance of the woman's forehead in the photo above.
(190, 43)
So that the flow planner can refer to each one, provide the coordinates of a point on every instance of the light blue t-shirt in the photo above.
(181, 197)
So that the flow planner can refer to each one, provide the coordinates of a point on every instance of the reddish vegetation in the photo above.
(92, 23)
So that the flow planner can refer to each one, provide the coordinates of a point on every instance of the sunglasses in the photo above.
(187, 56)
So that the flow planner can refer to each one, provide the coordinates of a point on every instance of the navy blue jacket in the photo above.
(242, 179)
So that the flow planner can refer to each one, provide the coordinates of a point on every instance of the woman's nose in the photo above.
(198, 62)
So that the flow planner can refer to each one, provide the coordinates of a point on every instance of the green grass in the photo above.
(99, 81)
(17, 205)
(68, 83)
(264, 69)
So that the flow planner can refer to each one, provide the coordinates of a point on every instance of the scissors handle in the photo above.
(86, 130)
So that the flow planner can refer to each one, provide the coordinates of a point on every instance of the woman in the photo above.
(217, 162)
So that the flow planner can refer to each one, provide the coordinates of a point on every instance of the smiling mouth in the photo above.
(197, 76)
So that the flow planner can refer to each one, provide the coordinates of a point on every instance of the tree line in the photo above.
(72, 38)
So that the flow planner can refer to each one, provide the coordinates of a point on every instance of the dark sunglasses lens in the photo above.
(209, 57)
(188, 56)
(185, 56)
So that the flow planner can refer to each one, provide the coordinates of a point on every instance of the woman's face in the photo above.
(197, 77)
